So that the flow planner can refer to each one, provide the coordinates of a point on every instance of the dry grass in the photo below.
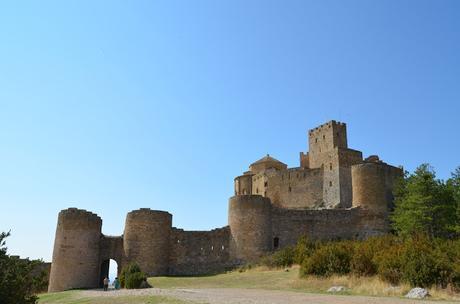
(78, 297)
(264, 278)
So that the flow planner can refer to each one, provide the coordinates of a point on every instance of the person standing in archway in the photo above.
(116, 284)
(106, 283)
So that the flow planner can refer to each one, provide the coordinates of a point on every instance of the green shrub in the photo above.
(362, 263)
(281, 258)
(418, 260)
(389, 263)
(131, 276)
(330, 258)
(419, 263)
(134, 280)
(303, 249)
(284, 257)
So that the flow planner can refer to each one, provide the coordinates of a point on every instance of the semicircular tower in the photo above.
(249, 217)
(368, 184)
(76, 251)
(146, 240)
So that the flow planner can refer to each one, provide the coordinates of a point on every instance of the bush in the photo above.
(303, 250)
(284, 257)
(134, 280)
(131, 276)
(418, 260)
(362, 263)
(281, 258)
(330, 258)
(366, 254)
(419, 263)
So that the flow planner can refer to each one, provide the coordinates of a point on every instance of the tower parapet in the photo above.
(243, 184)
(76, 250)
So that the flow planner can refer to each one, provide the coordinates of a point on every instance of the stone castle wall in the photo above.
(199, 252)
(334, 194)
(293, 188)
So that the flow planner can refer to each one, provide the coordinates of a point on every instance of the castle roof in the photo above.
(266, 159)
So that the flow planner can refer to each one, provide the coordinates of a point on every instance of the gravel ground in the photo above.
(253, 296)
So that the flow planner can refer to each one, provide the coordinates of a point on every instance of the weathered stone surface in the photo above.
(334, 289)
(334, 194)
(417, 293)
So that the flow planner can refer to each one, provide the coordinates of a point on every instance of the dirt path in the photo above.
(255, 296)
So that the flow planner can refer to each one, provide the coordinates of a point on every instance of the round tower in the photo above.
(368, 183)
(243, 184)
(249, 217)
(146, 240)
(76, 251)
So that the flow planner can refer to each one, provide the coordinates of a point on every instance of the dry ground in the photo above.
(251, 287)
(221, 296)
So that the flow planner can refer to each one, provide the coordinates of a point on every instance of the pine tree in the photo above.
(454, 183)
(16, 283)
(424, 205)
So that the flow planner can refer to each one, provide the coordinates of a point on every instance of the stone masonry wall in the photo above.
(199, 252)
(326, 224)
(293, 188)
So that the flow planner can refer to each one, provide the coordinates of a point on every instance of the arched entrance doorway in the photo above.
(109, 269)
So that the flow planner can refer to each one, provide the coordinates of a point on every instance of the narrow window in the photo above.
(257, 190)
(324, 136)
(330, 166)
(266, 184)
(276, 243)
(330, 184)
(290, 189)
(316, 140)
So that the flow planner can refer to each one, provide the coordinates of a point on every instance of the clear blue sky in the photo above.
(116, 105)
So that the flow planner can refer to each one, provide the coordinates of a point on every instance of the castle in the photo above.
(335, 193)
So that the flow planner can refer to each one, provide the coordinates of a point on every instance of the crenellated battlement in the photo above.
(327, 126)
(75, 216)
(148, 211)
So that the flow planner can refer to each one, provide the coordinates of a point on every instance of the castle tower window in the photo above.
(330, 184)
(290, 189)
(316, 140)
(265, 193)
(266, 184)
(324, 136)
(257, 190)
(330, 166)
(276, 243)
